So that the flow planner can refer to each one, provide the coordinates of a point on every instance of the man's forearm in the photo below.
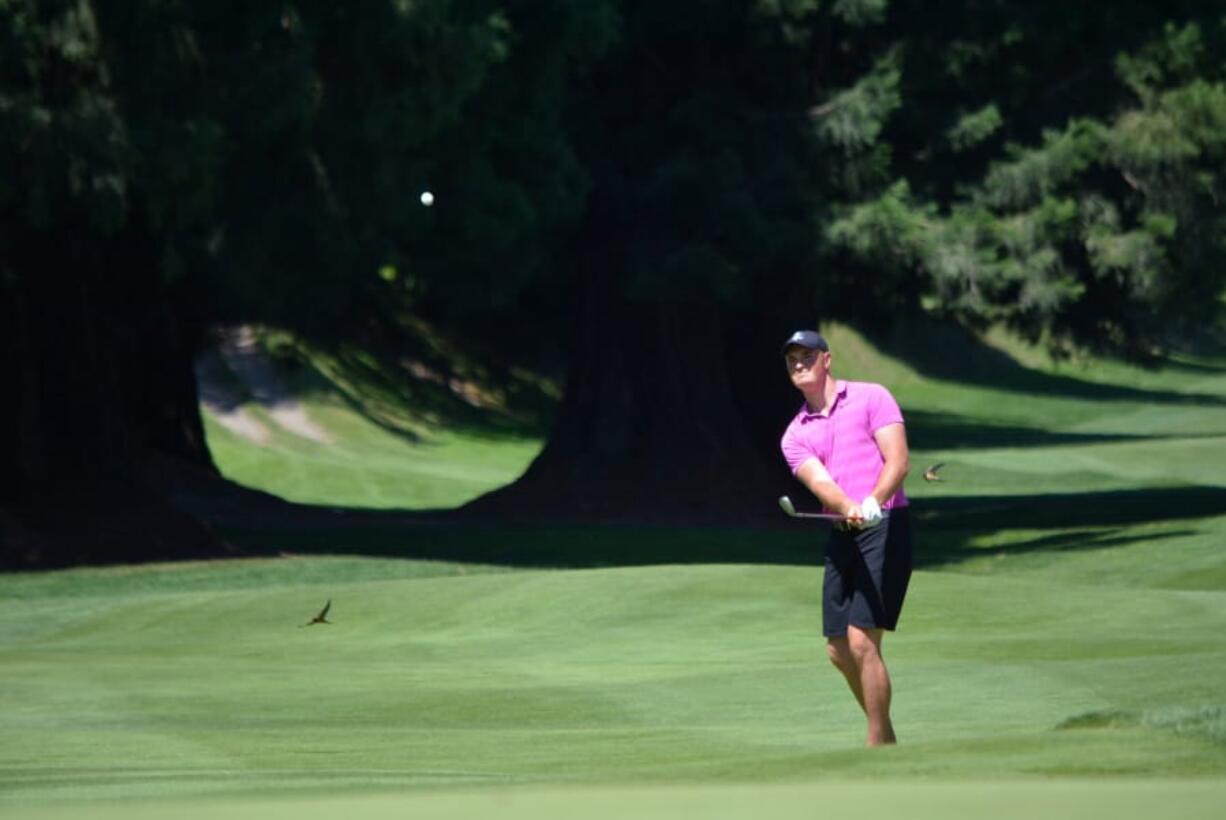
(890, 479)
(832, 496)
(896, 458)
(814, 476)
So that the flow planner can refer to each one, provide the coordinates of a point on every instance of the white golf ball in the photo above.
(427, 198)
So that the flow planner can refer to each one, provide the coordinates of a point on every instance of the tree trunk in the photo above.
(98, 362)
(651, 426)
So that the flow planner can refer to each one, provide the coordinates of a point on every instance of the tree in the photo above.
(1071, 196)
(97, 346)
(681, 186)
(1024, 163)
(694, 260)
(177, 164)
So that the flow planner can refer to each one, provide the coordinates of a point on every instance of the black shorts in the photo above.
(867, 572)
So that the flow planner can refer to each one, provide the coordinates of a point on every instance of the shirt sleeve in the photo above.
(795, 452)
(882, 409)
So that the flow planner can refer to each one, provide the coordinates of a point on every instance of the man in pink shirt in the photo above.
(849, 447)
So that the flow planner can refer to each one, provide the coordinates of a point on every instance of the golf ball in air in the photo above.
(427, 198)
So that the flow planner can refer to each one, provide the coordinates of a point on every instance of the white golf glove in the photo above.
(872, 511)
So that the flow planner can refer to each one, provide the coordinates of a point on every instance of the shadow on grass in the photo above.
(946, 352)
(948, 530)
(1066, 540)
(384, 388)
(950, 431)
(1072, 510)
(397, 388)
(948, 527)
(949, 547)
(560, 545)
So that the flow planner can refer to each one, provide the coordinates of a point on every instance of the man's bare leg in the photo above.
(875, 689)
(839, 652)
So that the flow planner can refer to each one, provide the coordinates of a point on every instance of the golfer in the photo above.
(849, 447)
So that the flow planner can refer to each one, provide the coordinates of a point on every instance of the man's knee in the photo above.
(839, 652)
(863, 643)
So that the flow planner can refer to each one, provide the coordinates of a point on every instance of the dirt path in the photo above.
(240, 354)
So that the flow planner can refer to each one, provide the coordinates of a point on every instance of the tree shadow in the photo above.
(1198, 368)
(378, 389)
(950, 431)
(947, 352)
(216, 385)
(1104, 508)
(947, 531)
(943, 547)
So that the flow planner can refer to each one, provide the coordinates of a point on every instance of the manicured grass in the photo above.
(1004, 800)
(395, 440)
(368, 465)
(1063, 650)
(665, 674)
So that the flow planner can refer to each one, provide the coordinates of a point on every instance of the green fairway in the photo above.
(1063, 650)
(456, 677)
(1006, 800)
(370, 466)
(369, 433)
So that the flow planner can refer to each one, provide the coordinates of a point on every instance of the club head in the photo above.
(785, 504)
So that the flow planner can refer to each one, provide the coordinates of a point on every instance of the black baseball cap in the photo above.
(807, 338)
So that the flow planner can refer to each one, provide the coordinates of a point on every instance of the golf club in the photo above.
(786, 504)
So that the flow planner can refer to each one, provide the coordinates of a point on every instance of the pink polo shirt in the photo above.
(841, 437)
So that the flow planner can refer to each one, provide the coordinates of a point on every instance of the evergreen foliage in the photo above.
(1097, 222)
(990, 160)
